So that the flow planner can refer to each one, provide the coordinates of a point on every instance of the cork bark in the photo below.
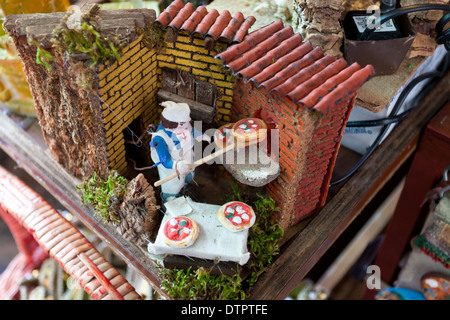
(424, 22)
(318, 22)
(70, 116)
(66, 90)
(139, 216)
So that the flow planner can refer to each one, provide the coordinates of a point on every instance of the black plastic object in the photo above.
(385, 51)
(355, 24)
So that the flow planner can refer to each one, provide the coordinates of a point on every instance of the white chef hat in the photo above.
(176, 112)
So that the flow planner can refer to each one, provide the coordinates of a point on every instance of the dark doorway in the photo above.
(137, 151)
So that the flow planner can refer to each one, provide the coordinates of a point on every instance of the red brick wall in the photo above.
(319, 164)
(308, 144)
(248, 101)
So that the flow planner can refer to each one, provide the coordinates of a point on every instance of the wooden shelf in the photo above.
(27, 149)
(303, 245)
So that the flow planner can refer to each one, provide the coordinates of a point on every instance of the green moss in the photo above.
(263, 237)
(104, 194)
(43, 57)
(201, 285)
(87, 40)
(152, 36)
(263, 240)
(228, 73)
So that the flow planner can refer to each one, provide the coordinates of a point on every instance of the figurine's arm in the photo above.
(163, 152)
(182, 167)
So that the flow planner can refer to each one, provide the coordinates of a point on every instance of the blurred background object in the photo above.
(14, 89)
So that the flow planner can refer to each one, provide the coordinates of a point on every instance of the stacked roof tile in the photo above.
(276, 58)
(272, 57)
(212, 24)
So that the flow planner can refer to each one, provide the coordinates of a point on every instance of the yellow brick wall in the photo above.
(189, 54)
(128, 89)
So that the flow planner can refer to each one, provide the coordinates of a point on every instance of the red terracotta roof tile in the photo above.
(243, 29)
(261, 49)
(170, 12)
(281, 63)
(194, 20)
(292, 68)
(250, 41)
(233, 26)
(219, 25)
(318, 93)
(207, 22)
(182, 16)
(271, 56)
(317, 80)
(212, 24)
(345, 89)
(275, 58)
(303, 75)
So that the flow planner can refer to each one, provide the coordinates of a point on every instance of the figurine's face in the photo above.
(182, 126)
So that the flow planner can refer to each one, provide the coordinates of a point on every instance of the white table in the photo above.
(214, 241)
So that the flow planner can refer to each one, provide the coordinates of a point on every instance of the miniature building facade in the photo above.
(309, 96)
(178, 65)
(210, 61)
(128, 89)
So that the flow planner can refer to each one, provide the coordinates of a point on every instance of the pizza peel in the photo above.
(231, 144)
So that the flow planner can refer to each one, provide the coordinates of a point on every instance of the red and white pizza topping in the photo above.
(247, 126)
(238, 213)
(224, 132)
(178, 228)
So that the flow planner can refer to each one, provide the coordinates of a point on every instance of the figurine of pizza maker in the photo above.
(172, 147)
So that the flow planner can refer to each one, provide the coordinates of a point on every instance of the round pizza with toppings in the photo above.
(249, 130)
(236, 216)
(222, 136)
(179, 232)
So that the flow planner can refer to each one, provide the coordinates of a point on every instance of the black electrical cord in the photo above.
(379, 122)
(442, 37)
(435, 74)
(397, 118)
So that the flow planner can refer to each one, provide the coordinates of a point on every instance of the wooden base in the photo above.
(225, 268)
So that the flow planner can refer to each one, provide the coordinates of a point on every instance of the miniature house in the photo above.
(206, 59)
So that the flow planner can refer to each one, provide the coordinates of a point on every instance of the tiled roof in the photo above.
(211, 24)
(276, 58)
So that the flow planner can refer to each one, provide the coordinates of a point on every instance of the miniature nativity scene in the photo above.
(186, 132)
